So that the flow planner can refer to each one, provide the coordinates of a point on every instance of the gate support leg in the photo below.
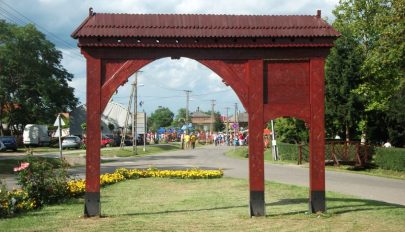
(256, 149)
(317, 137)
(92, 196)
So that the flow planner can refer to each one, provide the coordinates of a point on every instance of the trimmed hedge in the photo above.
(287, 151)
(390, 158)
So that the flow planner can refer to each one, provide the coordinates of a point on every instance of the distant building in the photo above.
(201, 121)
(242, 119)
(114, 113)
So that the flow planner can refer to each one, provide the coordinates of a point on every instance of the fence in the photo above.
(336, 153)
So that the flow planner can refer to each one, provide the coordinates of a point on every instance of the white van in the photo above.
(35, 134)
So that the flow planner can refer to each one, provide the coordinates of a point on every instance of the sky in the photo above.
(161, 83)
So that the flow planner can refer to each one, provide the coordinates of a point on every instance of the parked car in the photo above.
(9, 142)
(2, 147)
(106, 141)
(116, 140)
(36, 135)
(71, 142)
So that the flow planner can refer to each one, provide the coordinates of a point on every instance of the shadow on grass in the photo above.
(336, 205)
(177, 211)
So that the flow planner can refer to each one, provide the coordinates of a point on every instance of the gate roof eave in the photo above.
(216, 31)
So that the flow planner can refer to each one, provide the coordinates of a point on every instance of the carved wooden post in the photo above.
(92, 196)
(256, 150)
(317, 136)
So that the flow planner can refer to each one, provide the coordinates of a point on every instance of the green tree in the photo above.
(290, 130)
(180, 118)
(378, 27)
(33, 83)
(218, 124)
(343, 106)
(396, 119)
(162, 117)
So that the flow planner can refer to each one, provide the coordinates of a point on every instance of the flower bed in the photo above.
(19, 201)
(78, 187)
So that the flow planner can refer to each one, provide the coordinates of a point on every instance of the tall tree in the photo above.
(396, 119)
(290, 130)
(33, 83)
(162, 117)
(180, 118)
(218, 123)
(342, 71)
(378, 27)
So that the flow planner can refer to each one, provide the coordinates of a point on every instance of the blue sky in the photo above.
(163, 79)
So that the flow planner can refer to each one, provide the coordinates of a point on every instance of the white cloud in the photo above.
(162, 77)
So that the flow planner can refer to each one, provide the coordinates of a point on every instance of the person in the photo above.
(193, 138)
(182, 140)
(241, 139)
(187, 141)
(387, 144)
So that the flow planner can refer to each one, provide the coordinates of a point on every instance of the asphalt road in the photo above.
(363, 186)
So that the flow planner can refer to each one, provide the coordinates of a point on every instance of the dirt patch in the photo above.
(75, 161)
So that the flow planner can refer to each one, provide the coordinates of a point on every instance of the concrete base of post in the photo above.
(317, 202)
(92, 204)
(257, 205)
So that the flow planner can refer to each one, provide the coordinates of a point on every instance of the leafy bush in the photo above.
(390, 158)
(288, 151)
(14, 202)
(42, 181)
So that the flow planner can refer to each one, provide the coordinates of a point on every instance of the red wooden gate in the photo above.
(275, 65)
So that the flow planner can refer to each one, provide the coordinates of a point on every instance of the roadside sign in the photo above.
(56, 123)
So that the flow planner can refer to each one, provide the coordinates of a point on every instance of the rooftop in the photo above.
(202, 26)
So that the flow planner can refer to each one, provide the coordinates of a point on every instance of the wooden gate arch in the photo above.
(275, 65)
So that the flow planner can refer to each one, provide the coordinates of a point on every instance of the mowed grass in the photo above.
(209, 205)
(241, 153)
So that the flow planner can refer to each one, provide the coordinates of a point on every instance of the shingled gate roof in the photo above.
(202, 26)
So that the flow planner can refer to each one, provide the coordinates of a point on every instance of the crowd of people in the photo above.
(235, 139)
(188, 140)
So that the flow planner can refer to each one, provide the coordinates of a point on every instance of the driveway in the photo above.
(208, 157)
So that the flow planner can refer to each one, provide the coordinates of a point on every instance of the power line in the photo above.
(20, 19)
(36, 24)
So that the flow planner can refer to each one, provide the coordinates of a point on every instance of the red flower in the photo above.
(22, 166)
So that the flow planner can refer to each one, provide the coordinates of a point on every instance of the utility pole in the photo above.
(135, 116)
(187, 103)
(124, 131)
(227, 125)
(236, 121)
(212, 116)
(274, 150)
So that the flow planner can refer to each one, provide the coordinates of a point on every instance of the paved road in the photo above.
(368, 187)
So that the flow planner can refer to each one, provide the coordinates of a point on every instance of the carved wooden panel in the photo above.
(287, 89)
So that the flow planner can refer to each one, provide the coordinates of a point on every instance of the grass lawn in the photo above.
(150, 149)
(241, 153)
(153, 204)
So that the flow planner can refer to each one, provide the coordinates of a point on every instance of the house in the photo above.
(201, 121)
(242, 120)
(114, 114)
